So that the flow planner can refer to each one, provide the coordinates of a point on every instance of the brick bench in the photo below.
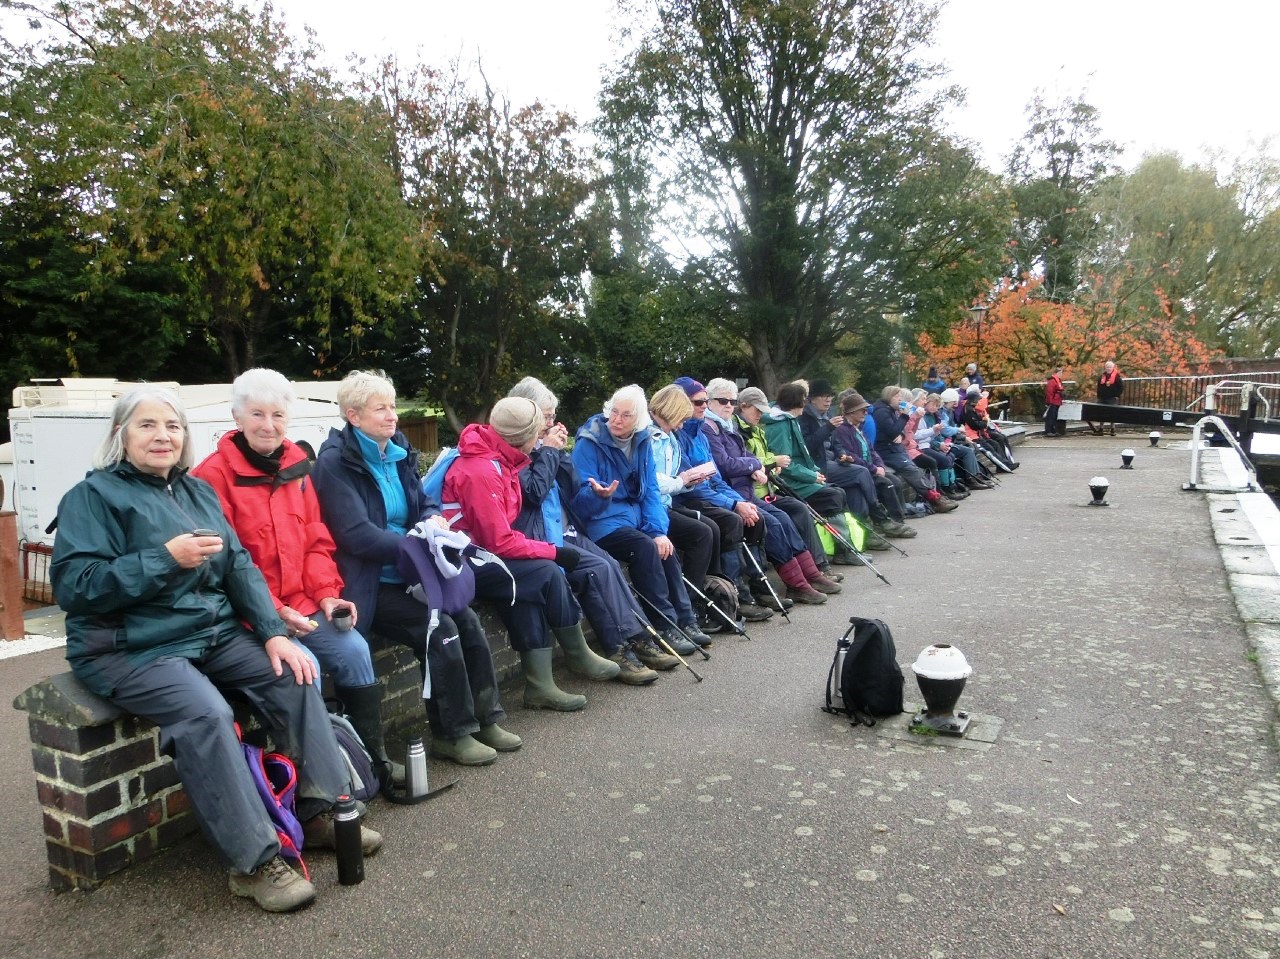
(110, 799)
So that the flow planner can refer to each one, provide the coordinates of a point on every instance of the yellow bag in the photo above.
(848, 527)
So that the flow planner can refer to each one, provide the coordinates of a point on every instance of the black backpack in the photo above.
(365, 785)
(865, 681)
(721, 592)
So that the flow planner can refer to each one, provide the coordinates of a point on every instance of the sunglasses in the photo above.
(699, 402)
(724, 401)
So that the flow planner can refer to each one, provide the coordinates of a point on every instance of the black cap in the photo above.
(820, 388)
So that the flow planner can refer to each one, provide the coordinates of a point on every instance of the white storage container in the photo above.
(57, 428)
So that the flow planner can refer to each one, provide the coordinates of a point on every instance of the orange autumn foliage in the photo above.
(1024, 336)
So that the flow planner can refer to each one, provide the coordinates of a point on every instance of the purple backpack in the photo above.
(276, 779)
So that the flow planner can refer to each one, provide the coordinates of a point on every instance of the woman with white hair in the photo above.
(612, 452)
(260, 477)
(555, 506)
(366, 478)
(165, 609)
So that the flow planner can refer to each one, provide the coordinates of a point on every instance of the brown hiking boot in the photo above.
(275, 886)
(824, 584)
(651, 654)
(810, 596)
(317, 833)
(631, 671)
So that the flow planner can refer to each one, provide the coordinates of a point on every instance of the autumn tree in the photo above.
(1062, 160)
(796, 146)
(1025, 334)
(199, 135)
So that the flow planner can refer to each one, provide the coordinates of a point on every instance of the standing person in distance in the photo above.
(1110, 389)
(1053, 393)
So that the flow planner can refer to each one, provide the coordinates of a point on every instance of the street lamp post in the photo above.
(979, 314)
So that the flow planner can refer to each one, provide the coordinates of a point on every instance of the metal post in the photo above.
(11, 622)
(979, 313)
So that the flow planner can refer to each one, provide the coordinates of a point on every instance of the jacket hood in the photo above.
(478, 440)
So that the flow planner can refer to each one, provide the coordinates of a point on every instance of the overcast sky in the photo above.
(1194, 78)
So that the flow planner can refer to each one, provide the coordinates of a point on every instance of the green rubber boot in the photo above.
(581, 658)
(540, 689)
(495, 737)
(465, 751)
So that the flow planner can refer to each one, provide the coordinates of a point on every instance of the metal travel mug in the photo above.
(415, 769)
(341, 618)
(346, 834)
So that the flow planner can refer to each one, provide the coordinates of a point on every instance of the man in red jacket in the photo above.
(1052, 401)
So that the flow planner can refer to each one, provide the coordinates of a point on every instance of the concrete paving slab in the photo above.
(1257, 597)
(1264, 640)
(1254, 560)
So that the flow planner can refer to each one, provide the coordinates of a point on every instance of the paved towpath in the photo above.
(1129, 806)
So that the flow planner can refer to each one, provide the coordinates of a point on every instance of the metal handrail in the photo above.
(1251, 486)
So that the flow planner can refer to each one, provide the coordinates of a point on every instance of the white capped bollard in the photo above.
(941, 673)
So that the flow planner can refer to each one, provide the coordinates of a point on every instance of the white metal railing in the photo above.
(1251, 484)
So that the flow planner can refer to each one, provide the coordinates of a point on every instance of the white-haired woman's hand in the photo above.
(604, 492)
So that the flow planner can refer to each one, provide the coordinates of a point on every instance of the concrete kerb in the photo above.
(1246, 528)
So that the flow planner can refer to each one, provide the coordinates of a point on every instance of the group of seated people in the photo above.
(258, 570)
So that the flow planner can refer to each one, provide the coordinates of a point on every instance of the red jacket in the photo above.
(280, 526)
(1053, 391)
(484, 482)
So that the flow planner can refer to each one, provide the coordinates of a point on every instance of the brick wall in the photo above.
(109, 799)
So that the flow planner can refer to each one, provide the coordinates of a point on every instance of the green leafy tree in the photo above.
(798, 148)
(1198, 246)
(58, 319)
(1061, 162)
(502, 194)
(646, 319)
(198, 134)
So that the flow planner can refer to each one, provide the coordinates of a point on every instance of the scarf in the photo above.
(725, 424)
(268, 465)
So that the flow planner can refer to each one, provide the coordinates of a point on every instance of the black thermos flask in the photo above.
(346, 832)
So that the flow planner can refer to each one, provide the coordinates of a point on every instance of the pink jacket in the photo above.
(484, 481)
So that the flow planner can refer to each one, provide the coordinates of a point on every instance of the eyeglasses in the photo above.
(699, 402)
(725, 401)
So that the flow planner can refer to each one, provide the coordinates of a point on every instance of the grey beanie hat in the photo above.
(516, 419)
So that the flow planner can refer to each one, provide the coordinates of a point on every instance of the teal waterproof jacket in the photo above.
(122, 590)
(783, 433)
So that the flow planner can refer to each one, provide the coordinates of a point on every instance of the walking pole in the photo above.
(662, 641)
(772, 592)
(640, 596)
(712, 606)
(835, 533)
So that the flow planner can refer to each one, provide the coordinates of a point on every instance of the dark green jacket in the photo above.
(123, 591)
(783, 432)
